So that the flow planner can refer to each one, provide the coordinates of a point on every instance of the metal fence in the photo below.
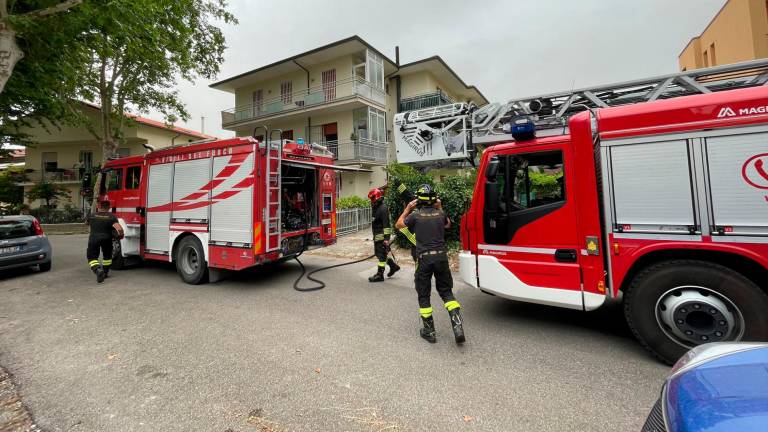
(352, 220)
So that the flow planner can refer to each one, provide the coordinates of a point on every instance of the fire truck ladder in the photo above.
(272, 209)
(551, 112)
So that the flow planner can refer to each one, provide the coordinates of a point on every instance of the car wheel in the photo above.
(190, 261)
(44, 267)
(674, 306)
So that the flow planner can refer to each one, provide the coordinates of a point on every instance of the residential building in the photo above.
(342, 95)
(738, 32)
(13, 160)
(63, 155)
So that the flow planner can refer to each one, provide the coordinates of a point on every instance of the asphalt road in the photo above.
(145, 352)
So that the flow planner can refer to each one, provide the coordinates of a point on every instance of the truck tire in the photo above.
(118, 263)
(675, 305)
(190, 261)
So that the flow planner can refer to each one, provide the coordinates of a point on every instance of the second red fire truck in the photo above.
(222, 205)
(654, 192)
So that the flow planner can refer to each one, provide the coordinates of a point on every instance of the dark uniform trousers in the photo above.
(96, 244)
(381, 252)
(434, 265)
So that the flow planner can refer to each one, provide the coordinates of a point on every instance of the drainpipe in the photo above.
(305, 70)
(174, 139)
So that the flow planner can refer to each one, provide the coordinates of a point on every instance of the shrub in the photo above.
(69, 214)
(352, 202)
(455, 193)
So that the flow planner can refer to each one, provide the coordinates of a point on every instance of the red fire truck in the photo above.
(654, 192)
(222, 205)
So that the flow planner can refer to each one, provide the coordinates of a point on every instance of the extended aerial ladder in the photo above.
(459, 127)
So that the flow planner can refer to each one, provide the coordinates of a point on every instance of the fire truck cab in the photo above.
(661, 204)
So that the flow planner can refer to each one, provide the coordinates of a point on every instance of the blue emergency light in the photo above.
(522, 128)
(300, 141)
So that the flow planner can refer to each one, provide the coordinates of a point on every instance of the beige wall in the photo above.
(360, 183)
(271, 88)
(423, 82)
(738, 33)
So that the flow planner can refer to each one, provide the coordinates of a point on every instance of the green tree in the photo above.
(11, 194)
(39, 48)
(49, 192)
(138, 49)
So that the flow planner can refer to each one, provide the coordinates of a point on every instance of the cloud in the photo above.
(507, 48)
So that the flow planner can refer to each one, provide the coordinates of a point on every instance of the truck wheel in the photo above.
(190, 261)
(673, 306)
(118, 263)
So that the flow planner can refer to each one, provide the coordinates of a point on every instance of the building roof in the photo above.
(299, 61)
(705, 28)
(158, 124)
(438, 67)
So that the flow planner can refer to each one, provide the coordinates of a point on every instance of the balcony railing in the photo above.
(318, 95)
(426, 100)
(360, 150)
(60, 175)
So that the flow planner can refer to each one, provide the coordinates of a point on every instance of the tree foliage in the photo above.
(49, 192)
(43, 82)
(138, 49)
(11, 194)
(454, 192)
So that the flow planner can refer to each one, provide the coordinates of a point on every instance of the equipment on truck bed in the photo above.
(453, 131)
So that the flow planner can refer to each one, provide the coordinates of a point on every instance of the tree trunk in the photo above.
(10, 53)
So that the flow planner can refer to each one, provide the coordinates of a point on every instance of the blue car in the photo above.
(716, 387)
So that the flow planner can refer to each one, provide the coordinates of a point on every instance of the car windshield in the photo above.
(11, 229)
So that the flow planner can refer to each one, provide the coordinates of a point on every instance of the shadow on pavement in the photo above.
(607, 320)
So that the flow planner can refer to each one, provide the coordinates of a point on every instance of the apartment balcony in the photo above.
(348, 93)
(59, 176)
(425, 100)
(363, 151)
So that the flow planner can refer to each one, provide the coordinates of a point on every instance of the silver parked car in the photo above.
(23, 243)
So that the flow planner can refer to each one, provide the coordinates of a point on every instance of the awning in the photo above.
(308, 164)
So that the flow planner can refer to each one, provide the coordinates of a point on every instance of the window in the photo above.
(374, 70)
(287, 135)
(370, 124)
(712, 57)
(115, 179)
(132, 177)
(706, 59)
(329, 84)
(13, 229)
(538, 180)
(50, 161)
(86, 159)
(286, 92)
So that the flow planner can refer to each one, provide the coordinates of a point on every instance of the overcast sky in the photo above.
(508, 49)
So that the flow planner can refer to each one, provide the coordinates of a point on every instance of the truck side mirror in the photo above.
(492, 168)
(491, 195)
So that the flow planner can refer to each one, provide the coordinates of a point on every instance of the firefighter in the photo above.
(424, 216)
(102, 223)
(382, 231)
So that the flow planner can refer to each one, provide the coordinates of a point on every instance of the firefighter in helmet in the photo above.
(382, 231)
(102, 224)
(424, 217)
